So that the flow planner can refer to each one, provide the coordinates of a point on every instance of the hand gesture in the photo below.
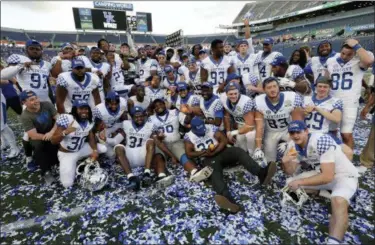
(351, 42)
(27, 65)
(48, 136)
(309, 109)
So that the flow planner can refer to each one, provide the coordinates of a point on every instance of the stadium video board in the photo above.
(144, 22)
(99, 19)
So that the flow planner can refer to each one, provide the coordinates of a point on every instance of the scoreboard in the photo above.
(99, 19)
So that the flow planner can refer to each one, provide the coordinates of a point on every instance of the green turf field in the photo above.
(183, 213)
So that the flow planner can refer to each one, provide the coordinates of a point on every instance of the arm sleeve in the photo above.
(324, 144)
(51, 108)
(253, 79)
(96, 114)
(219, 110)
(298, 101)
(195, 101)
(249, 106)
(13, 59)
(338, 105)
(63, 121)
(297, 72)
(186, 138)
(10, 72)
(61, 82)
(27, 122)
(251, 49)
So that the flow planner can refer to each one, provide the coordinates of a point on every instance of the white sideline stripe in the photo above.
(23, 224)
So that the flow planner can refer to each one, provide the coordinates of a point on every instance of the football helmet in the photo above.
(297, 198)
(93, 177)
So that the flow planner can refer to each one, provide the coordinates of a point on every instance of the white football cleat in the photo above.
(201, 175)
(165, 182)
(14, 153)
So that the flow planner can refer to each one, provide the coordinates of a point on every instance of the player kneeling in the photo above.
(336, 173)
(72, 133)
(139, 151)
(207, 142)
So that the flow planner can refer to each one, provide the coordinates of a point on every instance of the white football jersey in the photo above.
(245, 65)
(167, 84)
(154, 94)
(144, 104)
(110, 118)
(35, 79)
(244, 105)
(293, 72)
(264, 63)
(137, 136)
(315, 121)
(346, 78)
(317, 67)
(212, 108)
(117, 79)
(194, 80)
(190, 99)
(250, 79)
(74, 141)
(322, 148)
(168, 124)
(78, 90)
(278, 116)
(145, 68)
(217, 71)
(66, 65)
(204, 142)
(104, 67)
(183, 70)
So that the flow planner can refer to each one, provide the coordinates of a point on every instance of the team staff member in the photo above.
(38, 120)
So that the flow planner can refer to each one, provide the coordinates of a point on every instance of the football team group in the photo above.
(201, 110)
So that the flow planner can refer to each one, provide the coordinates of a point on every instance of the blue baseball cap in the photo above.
(185, 55)
(78, 63)
(192, 61)
(33, 42)
(197, 126)
(94, 49)
(242, 41)
(181, 86)
(80, 103)
(231, 86)
(180, 48)
(136, 109)
(168, 69)
(232, 76)
(279, 60)
(207, 85)
(24, 95)
(66, 45)
(297, 126)
(112, 95)
(161, 53)
(268, 41)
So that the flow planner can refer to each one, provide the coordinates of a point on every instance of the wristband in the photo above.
(357, 46)
(234, 132)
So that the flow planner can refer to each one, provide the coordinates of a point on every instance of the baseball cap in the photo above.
(279, 60)
(136, 109)
(180, 48)
(66, 45)
(168, 69)
(161, 53)
(159, 100)
(242, 41)
(296, 126)
(181, 86)
(112, 95)
(24, 95)
(185, 55)
(202, 51)
(197, 126)
(192, 61)
(94, 49)
(231, 85)
(77, 63)
(207, 85)
(268, 41)
(232, 76)
(80, 103)
(323, 79)
(125, 44)
(33, 42)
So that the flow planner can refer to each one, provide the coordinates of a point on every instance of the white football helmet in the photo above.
(93, 177)
(297, 198)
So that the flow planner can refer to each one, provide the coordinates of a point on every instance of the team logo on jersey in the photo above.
(109, 20)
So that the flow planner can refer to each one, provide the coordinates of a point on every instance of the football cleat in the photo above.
(164, 182)
(93, 177)
(297, 198)
(201, 175)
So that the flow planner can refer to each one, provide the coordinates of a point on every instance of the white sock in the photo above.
(332, 240)
(193, 171)
(161, 175)
(4, 141)
(9, 135)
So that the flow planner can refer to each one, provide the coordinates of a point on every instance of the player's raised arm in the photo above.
(366, 58)
(61, 93)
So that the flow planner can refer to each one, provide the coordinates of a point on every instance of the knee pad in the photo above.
(184, 159)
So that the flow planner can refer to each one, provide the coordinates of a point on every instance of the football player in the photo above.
(63, 61)
(265, 58)
(117, 78)
(347, 72)
(240, 109)
(317, 65)
(140, 99)
(336, 173)
(146, 67)
(171, 79)
(110, 115)
(292, 76)
(321, 109)
(207, 142)
(193, 78)
(75, 85)
(7, 134)
(154, 91)
(139, 151)
(161, 66)
(274, 111)
(167, 122)
(99, 67)
(244, 62)
(186, 102)
(216, 68)
(73, 130)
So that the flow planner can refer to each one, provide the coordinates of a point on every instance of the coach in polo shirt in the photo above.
(38, 120)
